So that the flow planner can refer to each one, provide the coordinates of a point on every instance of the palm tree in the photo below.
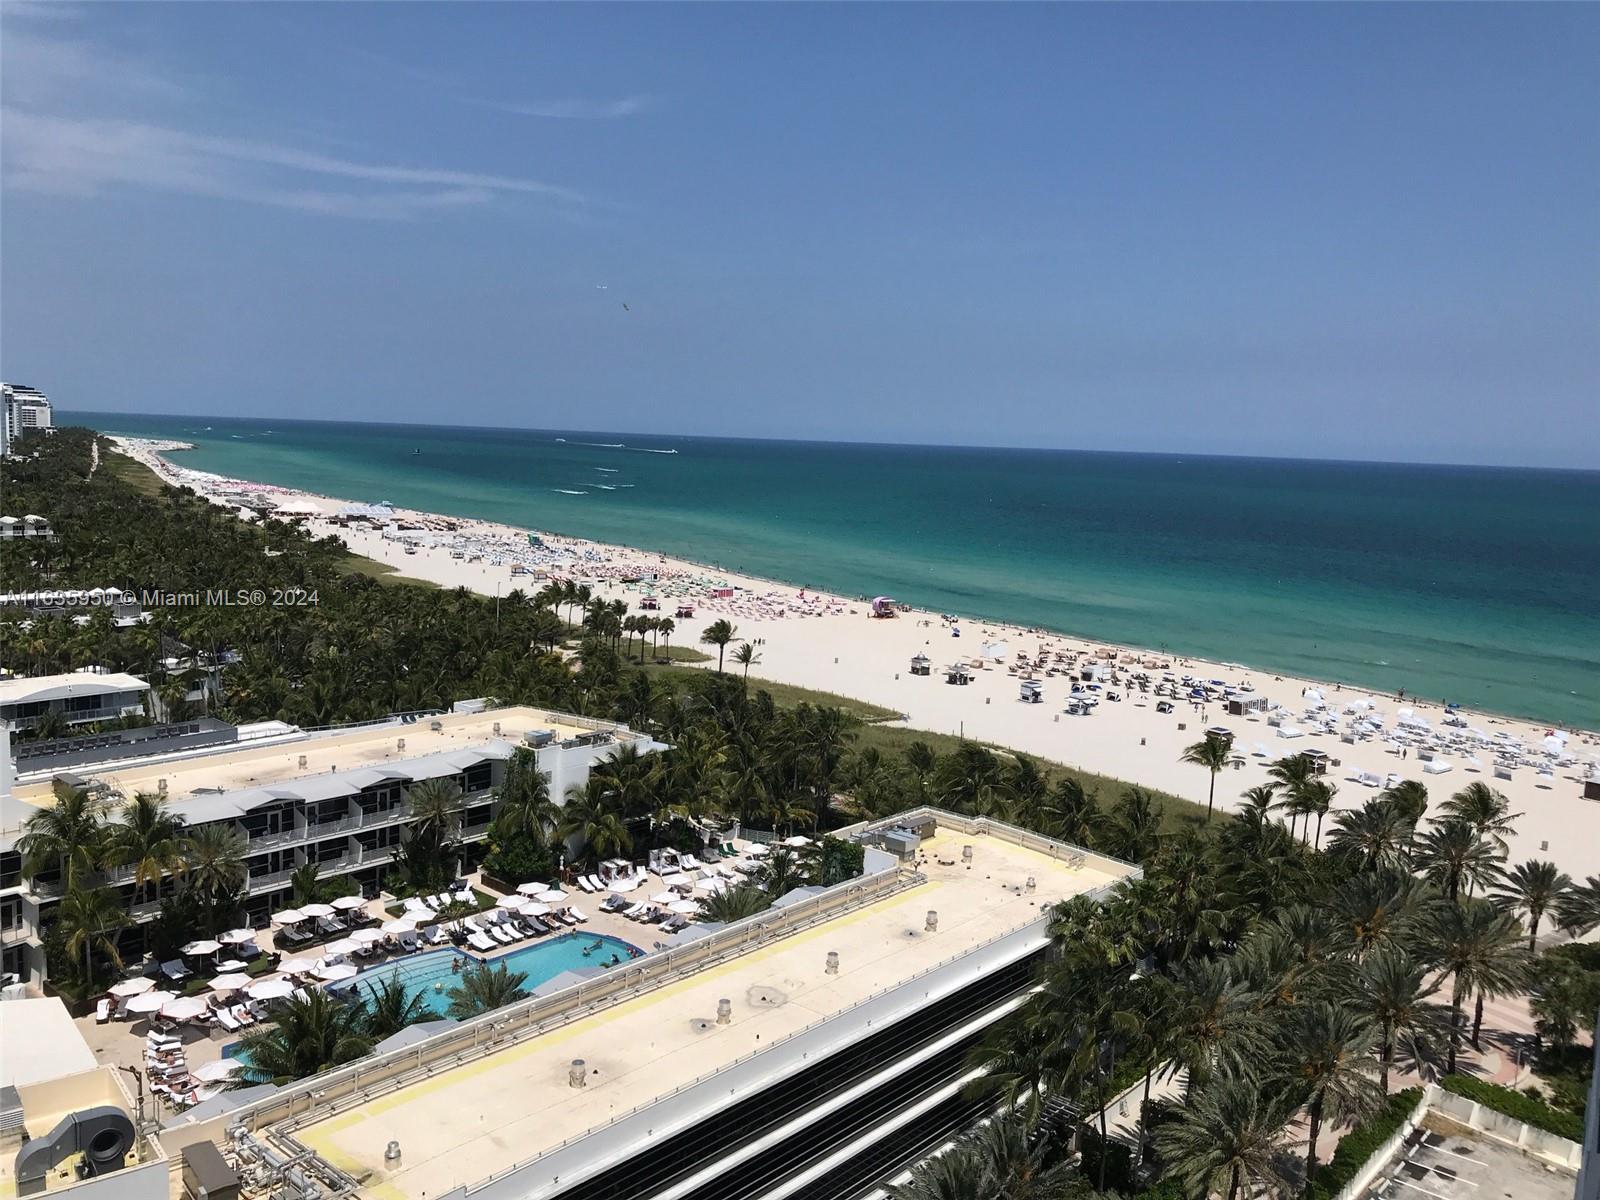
(1534, 888)
(484, 988)
(1580, 907)
(999, 1160)
(1410, 796)
(1374, 835)
(782, 872)
(525, 802)
(1481, 948)
(591, 816)
(666, 626)
(1391, 989)
(390, 1007)
(1210, 752)
(1486, 811)
(214, 864)
(148, 838)
(1328, 1057)
(311, 1033)
(746, 656)
(1315, 797)
(1454, 856)
(436, 808)
(735, 903)
(1225, 1139)
(68, 836)
(90, 920)
(1213, 1025)
(719, 633)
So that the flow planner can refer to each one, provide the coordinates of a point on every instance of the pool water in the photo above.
(432, 974)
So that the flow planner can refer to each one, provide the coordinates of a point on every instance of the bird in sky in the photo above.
(625, 308)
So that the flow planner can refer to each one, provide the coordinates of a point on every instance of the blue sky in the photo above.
(1361, 231)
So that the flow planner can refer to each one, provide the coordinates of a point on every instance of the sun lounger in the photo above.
(577, 914)
(302, 995)
(102, 1011)
(175, 970)
(636, 912)
(241, 1014)
(481, 941)
(537, 927)
(227, 1020)
(501, 934)
(434, 935)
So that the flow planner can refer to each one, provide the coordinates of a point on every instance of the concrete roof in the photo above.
(34, 688)
(463, 1125)
(39, 1042)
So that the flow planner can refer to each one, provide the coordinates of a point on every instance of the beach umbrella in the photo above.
(757, 850)
(534, 909)
(202, 947)
(400, 925)
(182, 1008)
(348, 903)
(686, 907)
(663, 897)
(149, 1002)
(318, 910)
(270, 989)
(531, 888)
(229, 983)
(797, 840)
(551, 896)
(715, 885)
(367, 936)
(218, 1071)
(676, 879)
(298, 966)
(334, 972)
(512, 901)
(237, 937)
(289, 916)
(343, 946)
(132, 987)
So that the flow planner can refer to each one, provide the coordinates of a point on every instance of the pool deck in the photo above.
(485, 1117)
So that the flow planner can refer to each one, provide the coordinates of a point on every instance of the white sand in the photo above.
(831, 643)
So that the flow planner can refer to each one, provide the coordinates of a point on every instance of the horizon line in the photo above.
(711, 437)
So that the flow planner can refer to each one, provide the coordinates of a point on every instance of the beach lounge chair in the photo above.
(481, 942)
(175, 970)
(636, 912)
(501, 934)
(536, 926)
(577, 915)
(242, 1014)
(102, 1010)
(227, 1020)
(302, 995)
(434, 935)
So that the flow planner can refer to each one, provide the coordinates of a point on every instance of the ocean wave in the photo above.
(607, 470)
(604, 445)
(605, 487)
(648, 450)
(568, 492)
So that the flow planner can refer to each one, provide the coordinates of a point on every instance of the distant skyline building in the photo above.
(24, 410)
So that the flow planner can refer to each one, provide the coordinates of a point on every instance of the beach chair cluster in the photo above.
(491, 931)
(166, 1071)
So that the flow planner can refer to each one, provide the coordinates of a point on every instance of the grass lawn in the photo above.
(355, 564)
(787, 695)
(135, 474)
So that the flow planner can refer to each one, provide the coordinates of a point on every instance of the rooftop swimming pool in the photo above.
(431, 975)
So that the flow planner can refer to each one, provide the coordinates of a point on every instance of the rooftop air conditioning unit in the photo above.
(400, 744)
(436, 726)
(161, 787)
(497, 729)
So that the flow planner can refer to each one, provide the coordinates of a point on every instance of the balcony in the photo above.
(314, 833)
(262, 883)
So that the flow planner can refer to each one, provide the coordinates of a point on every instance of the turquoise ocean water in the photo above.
(1477, 585)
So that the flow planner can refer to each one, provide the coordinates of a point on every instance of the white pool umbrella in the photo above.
(686, 907)
(342, 946)
(511, 902)
(229, 983)
(664, 897)
(334, 972)
(216, 1072)
(349, 902)
(270, 989)
(318, 910)
(289, 916)
(181, 1008)
(297, 966)
(797, 841)
(553, 896)
(534, 909)
(237, 937)
(757, 850)
(132, 987)
(400, 925)
(202, 947)
(149, 1002)
(367, 936)
(532, 888)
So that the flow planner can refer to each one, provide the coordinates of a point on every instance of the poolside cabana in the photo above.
(921, 664)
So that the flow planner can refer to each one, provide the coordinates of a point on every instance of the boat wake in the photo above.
(604, 445)
(608, 470)
(648, 450)
(568, 492)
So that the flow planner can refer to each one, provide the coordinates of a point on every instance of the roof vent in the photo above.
(161, 787)
(400, 744)
(302, 762)
(497, 729)
(832, 967)
(436, 726)
(577, 1074)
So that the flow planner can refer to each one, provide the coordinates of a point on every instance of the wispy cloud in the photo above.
(58, 140)
(573, 110)
(87, 156)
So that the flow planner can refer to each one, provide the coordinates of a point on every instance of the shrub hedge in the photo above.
(1517, 1106)
(1361, 1143)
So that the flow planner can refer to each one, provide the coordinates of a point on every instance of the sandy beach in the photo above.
(833, 643)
